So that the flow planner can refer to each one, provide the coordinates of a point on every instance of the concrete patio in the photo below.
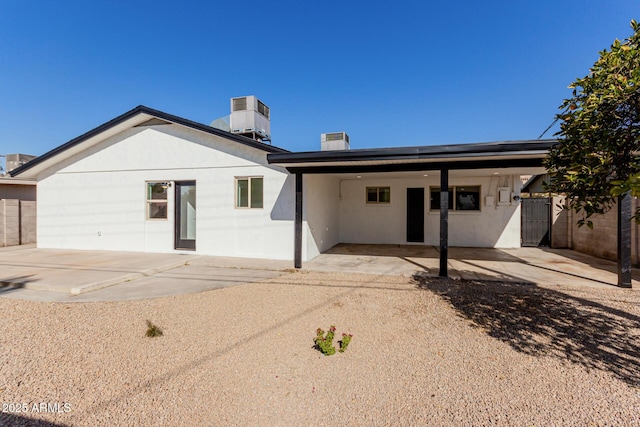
(74, 276)
(530, 265)
(66, 275)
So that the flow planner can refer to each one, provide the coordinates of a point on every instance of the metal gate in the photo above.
(535, 221)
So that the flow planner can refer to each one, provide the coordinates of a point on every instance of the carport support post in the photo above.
(444, 222)
(624, 240)
(297, 257)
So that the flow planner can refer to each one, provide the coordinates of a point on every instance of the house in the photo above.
(154, 182)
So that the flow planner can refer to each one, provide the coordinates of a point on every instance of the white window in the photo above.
(249, 192)
(379, 195)
(157, 200)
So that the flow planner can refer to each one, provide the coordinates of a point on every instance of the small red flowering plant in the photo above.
(324, 343)
(344, 342)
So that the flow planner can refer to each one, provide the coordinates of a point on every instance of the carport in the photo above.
(446, 162)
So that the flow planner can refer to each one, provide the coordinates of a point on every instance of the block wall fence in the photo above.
(17, 222)
(601, 241)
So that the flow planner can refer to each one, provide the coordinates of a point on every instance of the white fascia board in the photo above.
(17, 181)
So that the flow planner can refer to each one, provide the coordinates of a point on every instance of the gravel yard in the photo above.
(424, 352)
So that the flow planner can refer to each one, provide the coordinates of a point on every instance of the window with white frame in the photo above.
(461, 198)
(379, 195)
(157, 200)
(249, 192)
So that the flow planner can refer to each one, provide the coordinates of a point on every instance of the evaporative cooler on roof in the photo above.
(250, 117)
(334, 141)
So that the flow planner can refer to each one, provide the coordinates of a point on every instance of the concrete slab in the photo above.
(72, 271)
(377, 259)
(82, 276)
(530, 265)
(186, 279)
(68, 275)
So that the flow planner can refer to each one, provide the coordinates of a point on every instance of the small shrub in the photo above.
(346, 339)
(153, 330)
(324, 343)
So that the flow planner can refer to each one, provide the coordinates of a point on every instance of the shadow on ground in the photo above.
(10, 284)
(538, 321)
(9, 419)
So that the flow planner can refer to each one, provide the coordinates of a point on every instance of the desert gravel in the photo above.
(424, 352)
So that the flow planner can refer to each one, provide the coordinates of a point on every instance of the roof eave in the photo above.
(426, 154)
(142, 113)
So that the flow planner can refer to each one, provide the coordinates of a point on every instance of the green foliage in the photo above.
(153, 330)
(344, 343)
(324, 343)
(598, 156)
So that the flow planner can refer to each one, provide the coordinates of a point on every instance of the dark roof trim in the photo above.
(525, 187)
(535, 184)
(141, 109)
(408, 153)
(421, 166)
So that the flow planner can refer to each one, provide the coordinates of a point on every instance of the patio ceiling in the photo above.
(436, 173)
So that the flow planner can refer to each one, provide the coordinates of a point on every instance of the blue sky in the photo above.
(388, 73)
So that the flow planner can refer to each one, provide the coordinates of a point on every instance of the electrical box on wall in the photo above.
(504, 196)
(489, 201)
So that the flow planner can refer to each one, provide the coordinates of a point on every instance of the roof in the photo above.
(132, 118)
(460, 156)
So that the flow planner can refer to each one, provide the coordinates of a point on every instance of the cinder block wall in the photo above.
(11, 221)
(27, 222)
(559, 224)
(2, 232)
(17, 222)
(601, 241)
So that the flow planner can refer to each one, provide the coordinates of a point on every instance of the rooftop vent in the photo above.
(250, 117)
(334, 141)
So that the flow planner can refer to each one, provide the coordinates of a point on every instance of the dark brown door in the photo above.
(415, 215)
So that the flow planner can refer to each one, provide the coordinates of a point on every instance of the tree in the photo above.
(598, 154)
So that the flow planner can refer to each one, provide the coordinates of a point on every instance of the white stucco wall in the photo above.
(321, 213)
(493, 226)
(96, 200)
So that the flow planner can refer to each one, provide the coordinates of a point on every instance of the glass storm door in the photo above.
(185, 226)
